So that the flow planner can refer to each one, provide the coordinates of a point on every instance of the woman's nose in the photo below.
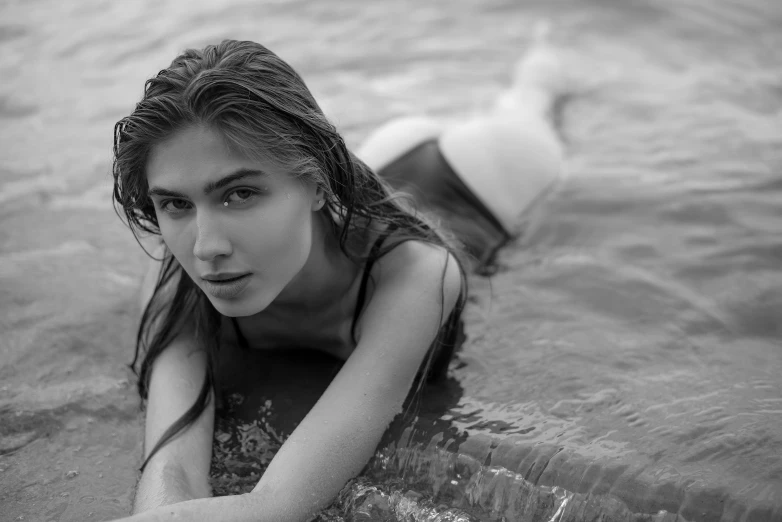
(210, 241)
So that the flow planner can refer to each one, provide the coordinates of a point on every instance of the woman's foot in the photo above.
(538, 78)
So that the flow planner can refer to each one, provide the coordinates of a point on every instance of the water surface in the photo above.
(623, 363)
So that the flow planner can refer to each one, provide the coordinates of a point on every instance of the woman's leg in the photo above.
(510, 156)
(393, 139)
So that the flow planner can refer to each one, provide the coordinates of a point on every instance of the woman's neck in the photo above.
(325, 278)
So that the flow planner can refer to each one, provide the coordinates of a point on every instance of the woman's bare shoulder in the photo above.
(422, 267)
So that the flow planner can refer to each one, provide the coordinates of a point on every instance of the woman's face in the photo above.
(240, 228)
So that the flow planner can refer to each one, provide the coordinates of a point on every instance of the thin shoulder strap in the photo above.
(362, 289)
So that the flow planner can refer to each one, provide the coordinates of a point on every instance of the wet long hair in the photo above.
(262, 109)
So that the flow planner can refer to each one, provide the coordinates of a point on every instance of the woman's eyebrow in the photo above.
(212, 185)
(230, 178)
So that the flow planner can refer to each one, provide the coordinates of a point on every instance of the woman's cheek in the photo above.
(294, 238)
(176, 239)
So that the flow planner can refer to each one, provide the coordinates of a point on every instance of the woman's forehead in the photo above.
(198, 156)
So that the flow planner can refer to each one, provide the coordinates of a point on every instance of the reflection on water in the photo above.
(623, 363)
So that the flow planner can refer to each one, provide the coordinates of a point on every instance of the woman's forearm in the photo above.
(163, 485)
(204, 509)
(250, 507)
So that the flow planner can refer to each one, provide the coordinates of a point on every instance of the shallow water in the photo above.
(623, 363)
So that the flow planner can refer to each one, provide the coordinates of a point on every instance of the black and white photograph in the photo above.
(391, 261)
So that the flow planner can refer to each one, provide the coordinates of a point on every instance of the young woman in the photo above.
(274, 236)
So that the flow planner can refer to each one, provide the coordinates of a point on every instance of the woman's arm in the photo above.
(341, 433)
(180, 469)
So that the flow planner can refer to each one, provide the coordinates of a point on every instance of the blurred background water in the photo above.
(623, 364)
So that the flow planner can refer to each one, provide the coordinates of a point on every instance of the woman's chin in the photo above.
(239, 307)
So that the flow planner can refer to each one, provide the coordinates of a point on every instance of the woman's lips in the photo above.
(226, 288)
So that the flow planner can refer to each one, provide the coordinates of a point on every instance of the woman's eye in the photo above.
(174, 206)
(240, 196)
